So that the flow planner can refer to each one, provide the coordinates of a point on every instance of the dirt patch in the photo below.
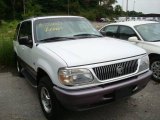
(99, 25)
(4, 69)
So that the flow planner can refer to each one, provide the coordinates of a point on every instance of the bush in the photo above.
(89, 15)
(7, 30)
(6, 51)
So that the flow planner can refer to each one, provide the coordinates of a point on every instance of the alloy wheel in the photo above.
(46, 100)
(155, 67)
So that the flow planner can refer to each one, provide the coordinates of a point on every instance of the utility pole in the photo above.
(134, 4)
(126, 10)
(127, 6)
(122, 3)
(68, 7)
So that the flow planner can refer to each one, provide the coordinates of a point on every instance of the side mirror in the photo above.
(25, 41)
(103, 32)
(133, 39)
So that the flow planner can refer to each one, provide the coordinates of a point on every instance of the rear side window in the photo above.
(126, 32)
(111, 31)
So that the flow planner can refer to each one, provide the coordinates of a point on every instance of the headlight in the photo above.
(74, 77)
(144, 63)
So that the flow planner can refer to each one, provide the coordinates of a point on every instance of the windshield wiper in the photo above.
(155, 41)
(88, 35)
(54, 39)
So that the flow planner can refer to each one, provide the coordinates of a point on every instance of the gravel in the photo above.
(19, 101)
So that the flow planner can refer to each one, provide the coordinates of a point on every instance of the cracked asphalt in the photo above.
(19, 101)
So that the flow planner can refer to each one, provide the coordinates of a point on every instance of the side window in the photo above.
(26, 30)
(126, 32)
(111, 31)
(16, 32)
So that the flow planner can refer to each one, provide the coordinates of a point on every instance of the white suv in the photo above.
(74, 66)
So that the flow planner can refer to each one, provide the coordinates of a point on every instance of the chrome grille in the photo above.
(116, 70)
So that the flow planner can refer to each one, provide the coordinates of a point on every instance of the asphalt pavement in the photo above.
(19, 101)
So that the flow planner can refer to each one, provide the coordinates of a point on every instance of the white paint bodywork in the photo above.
(84, 53)
(79, 53)
(150, 47)
(92, 50)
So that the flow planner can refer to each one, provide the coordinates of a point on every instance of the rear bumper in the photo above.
(95, 96)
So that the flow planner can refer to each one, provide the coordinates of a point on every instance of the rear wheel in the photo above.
(19, 67)
(49, 103)
(155, 67)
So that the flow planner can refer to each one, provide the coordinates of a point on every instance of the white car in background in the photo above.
(145, 34)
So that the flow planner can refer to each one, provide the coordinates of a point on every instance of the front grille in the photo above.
(116, 70)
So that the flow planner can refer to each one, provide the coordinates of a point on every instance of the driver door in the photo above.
(26, 50)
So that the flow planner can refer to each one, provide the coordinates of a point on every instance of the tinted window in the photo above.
(16, 33)
(111, 31)
(26, 30)
(126, 32)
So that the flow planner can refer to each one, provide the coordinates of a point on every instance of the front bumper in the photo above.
(102, 94)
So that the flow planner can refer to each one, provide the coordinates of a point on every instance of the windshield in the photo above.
(149, 32)
(56, 28)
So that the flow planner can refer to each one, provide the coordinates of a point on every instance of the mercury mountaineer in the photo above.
(74, 66)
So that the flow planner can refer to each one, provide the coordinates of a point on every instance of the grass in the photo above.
(7, 30)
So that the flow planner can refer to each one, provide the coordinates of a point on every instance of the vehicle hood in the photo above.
(92, 50)
(154, 43)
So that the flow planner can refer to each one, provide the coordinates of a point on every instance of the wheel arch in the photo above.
(41, 73)
(153, 55)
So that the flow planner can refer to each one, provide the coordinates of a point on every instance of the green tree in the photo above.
(31, 9)
(118, 10)
(2, 9)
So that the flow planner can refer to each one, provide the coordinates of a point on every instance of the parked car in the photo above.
(74, 66)
(145, 34)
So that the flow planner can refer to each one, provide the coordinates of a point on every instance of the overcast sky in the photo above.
(145, 6)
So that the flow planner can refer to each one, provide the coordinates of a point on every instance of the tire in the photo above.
(155, 68)
(18, 67)
(48, 101)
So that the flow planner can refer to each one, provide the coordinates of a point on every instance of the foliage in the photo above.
(2, 9)
(7, 30)
(92, 9)
(134, 13)
(118, 10)
(21, 9)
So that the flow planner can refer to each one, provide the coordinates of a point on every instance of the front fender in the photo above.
(50, 69)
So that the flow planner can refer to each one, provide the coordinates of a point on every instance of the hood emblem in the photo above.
(120, 70)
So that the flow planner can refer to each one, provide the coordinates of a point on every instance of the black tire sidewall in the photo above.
(54, 114)
(19, 66)
(151, 62)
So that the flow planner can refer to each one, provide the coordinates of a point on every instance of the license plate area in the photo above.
(124, 92)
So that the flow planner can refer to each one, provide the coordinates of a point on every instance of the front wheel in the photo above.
(155, 68)
(49, 103)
